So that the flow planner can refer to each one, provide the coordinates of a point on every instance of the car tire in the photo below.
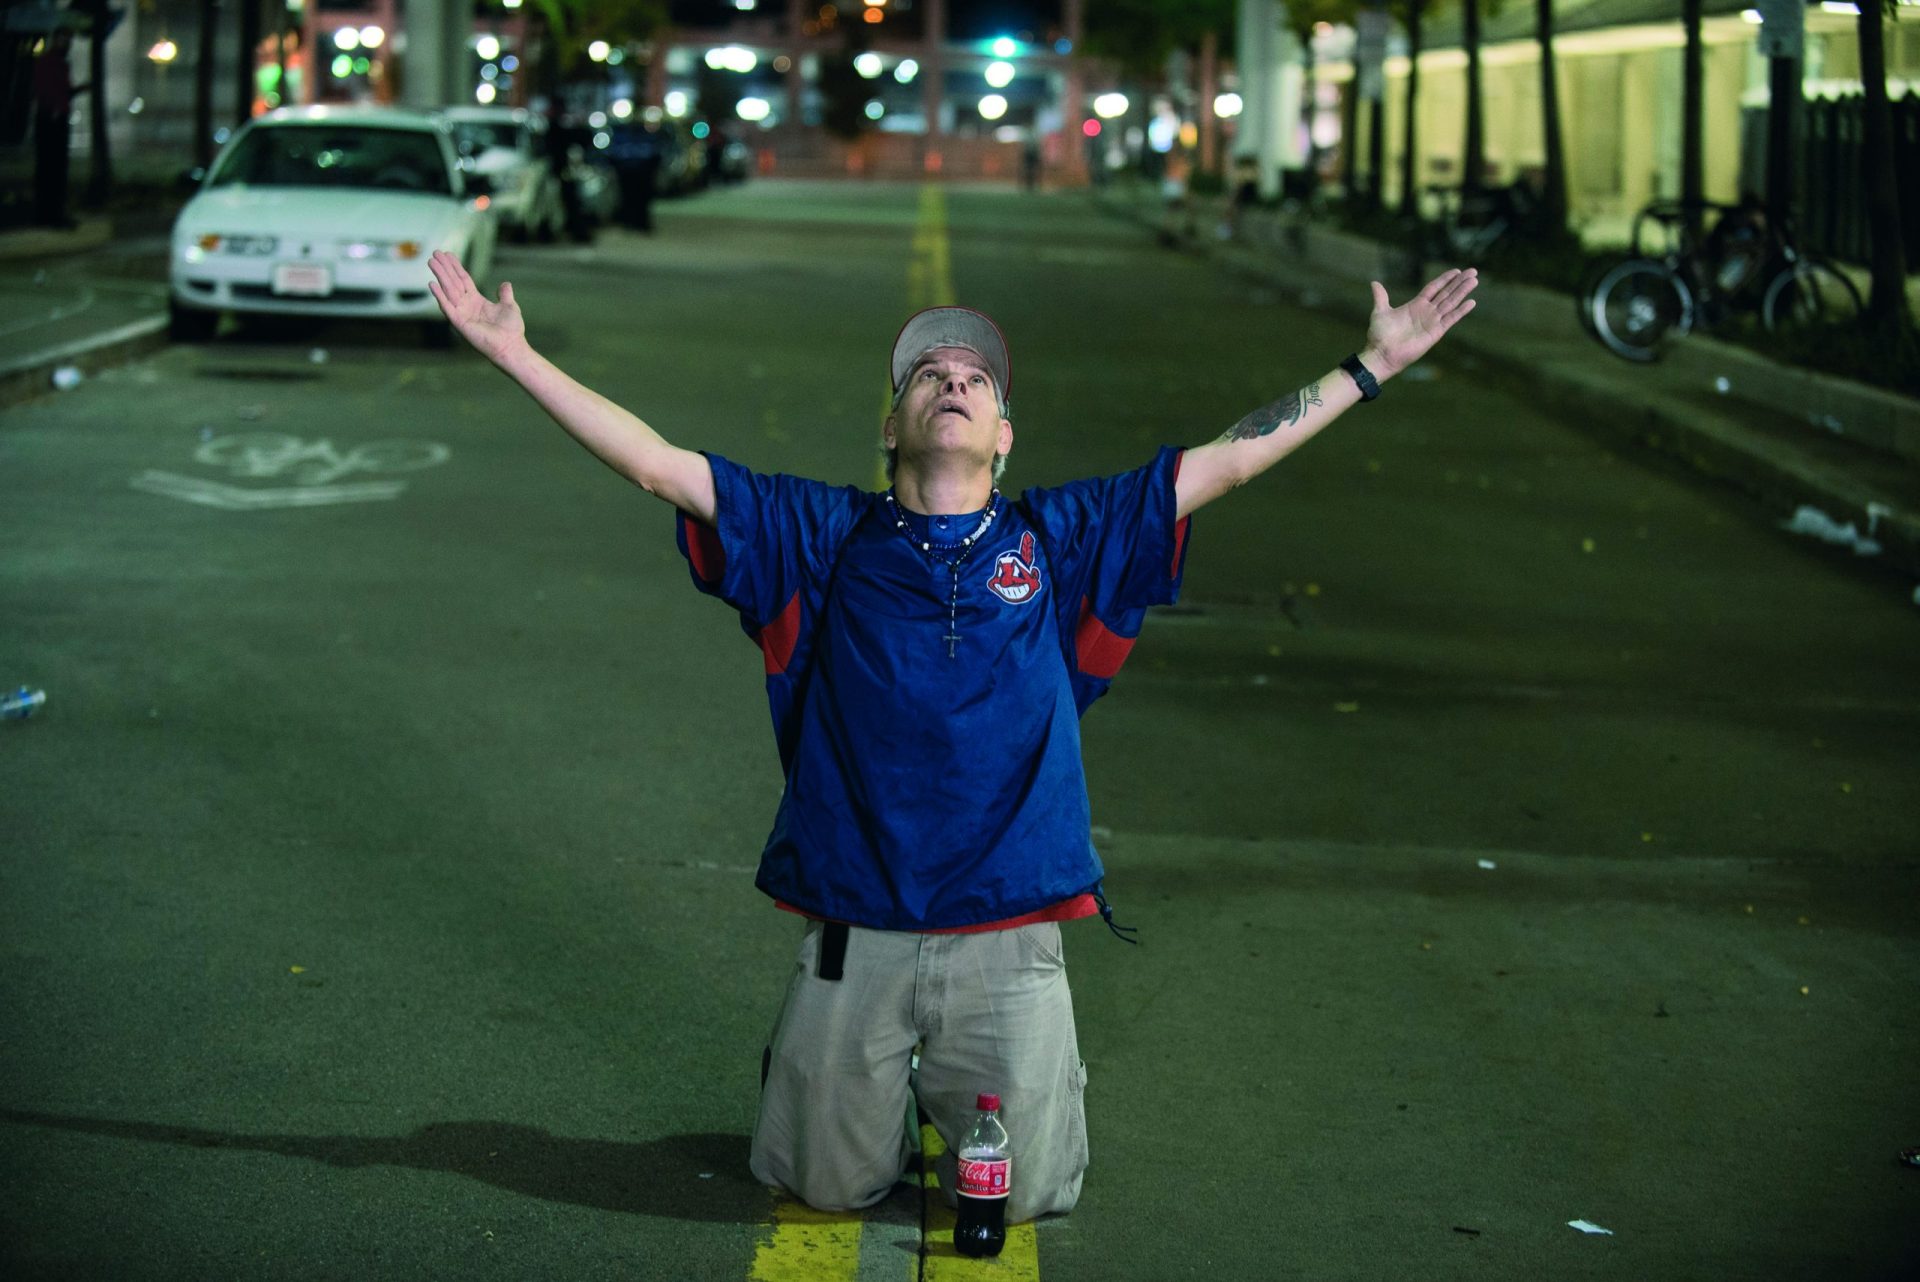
(191, 324)
(436, 334)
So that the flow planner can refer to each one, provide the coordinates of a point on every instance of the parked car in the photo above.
(327, 211)
(508, 147)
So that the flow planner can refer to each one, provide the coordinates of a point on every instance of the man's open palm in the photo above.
(1402, 335)
(491, 327)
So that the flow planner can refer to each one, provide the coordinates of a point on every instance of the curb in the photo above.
(1710, 445)
(24, 380)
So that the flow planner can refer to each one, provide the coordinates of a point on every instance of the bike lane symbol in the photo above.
(309, 473)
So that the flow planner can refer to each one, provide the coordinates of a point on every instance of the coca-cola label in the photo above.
(984, 1178)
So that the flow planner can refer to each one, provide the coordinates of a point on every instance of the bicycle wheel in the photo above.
(1808, 295)
(250, 453)
(1637, 306)
(398, 456)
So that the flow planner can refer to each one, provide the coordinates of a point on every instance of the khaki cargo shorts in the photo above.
(988, 1012)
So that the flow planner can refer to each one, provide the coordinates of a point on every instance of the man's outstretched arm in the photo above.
(1396, 338)
(616, 437)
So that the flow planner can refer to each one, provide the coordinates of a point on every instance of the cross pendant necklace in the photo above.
(953, 564)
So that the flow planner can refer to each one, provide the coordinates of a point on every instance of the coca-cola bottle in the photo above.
(984, 1166)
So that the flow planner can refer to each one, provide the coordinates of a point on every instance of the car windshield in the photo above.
(477, 136)
(337, 156)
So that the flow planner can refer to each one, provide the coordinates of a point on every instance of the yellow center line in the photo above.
(809, 1245)
(929, 274)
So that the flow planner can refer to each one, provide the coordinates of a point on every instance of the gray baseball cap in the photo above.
(953, 327)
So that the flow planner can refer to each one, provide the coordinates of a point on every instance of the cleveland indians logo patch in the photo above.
(1016, 579)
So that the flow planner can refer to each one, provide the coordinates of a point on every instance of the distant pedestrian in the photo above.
(1030, 164)
(53, 91)
(929, 651)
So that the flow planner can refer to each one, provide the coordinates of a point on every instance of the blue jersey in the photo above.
(931, 782)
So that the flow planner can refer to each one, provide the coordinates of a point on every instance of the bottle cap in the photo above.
(988, 1103)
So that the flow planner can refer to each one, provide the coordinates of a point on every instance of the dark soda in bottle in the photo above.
(983, 1166)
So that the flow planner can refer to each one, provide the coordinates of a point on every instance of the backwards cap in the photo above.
(952, 327)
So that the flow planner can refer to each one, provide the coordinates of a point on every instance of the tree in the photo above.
(1553, 194)
(1889, 319)
(1692, 180)
(1411, 11)
(100, 25)
(1139, 34)
(1474, 163)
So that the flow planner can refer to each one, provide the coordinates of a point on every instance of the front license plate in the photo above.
(307, 279)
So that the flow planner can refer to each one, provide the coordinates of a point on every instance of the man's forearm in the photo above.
(1263, 438)
(616, 436)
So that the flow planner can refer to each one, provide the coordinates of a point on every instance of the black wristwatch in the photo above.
(1362, 377)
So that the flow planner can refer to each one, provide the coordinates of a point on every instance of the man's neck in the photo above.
(943, 494)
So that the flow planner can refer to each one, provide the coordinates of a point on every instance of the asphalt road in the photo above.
(1518, 833)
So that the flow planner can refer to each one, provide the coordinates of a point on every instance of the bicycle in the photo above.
(1750, 262)
(270, 454)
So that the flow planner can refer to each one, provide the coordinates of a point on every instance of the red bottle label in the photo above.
(983, 1179)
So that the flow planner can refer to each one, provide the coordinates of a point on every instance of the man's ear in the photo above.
(1006, 437)
(886, 432)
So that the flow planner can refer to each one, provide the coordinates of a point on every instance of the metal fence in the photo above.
(1832, 177)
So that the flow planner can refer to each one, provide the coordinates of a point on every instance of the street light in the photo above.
(752, 110)
(869, 65)
(992, 107)
(487, 47)
(1227, 106)
(906, 71)
(1000, 74)
(1109, 105)
(598, 50)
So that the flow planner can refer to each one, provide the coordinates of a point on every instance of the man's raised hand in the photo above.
(1399, 336)
(491, 327)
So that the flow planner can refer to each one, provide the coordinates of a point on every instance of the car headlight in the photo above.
(380, 250)
(215, 243)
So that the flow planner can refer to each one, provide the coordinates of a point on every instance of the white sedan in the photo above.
(508, 147)
(327, 211)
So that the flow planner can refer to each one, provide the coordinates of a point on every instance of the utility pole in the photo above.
(1782, 44)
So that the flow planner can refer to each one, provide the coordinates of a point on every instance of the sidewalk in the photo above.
(1791, 438)
(82, 299)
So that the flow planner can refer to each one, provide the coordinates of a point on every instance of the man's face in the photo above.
(950, 407)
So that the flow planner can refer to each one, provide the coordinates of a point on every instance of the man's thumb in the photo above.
(506, 294)
(1380, 303)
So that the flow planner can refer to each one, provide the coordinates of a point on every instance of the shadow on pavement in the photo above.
(685, 1177)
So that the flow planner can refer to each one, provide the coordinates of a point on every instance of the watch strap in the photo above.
(1362, 377)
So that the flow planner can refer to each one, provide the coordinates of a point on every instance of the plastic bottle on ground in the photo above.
(984, 1167)
(22, 702)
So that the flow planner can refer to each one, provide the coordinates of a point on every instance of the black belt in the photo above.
(833, 950)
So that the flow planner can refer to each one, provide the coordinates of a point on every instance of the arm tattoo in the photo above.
(1263, 421)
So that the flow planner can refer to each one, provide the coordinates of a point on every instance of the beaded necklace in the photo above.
(953, 565)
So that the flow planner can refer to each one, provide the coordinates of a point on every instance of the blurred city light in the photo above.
(676, 103)
(484, 94)
(1162, 130)
(1109, 105)
(700, 129)
(1839, 6)
(1753, 16)
(602, 139)
(509, 63)
(622, 108)
(906, 71)
(510, 4)
(487, 47)
(489, 72)
(992, 107)
(1000, 74)
(1005, 47)
(873, 15)
(1227, 106)
(341, 67)
(347, 38)
(752, 110)
(372, 37)
(1091, 128)
(616, 56)
(163, 52)
(597, 120)
(874, 109)
(732, 58)
(598, 50)
(869, 64)
(745, 6)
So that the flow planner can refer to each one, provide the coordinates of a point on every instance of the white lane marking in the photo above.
(234, 498)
